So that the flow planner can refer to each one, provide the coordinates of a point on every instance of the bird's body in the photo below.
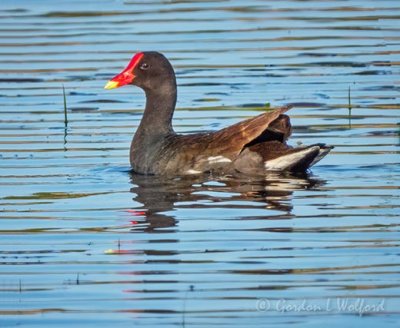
(252, 146)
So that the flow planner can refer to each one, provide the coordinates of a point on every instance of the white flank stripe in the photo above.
(218, 159)
(193, 172)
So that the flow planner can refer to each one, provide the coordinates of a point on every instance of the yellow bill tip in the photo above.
(111, 85)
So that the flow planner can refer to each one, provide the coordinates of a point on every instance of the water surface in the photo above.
(84, 242)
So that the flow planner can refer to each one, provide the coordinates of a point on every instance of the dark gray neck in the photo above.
(155, 126)
(160, 106)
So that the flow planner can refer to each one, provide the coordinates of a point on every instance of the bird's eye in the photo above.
(144, 66)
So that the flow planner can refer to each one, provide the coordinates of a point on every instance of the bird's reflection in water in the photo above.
(160, 196)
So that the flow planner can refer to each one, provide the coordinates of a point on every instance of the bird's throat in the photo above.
(157, 116)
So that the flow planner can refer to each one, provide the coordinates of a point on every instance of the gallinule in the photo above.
(255, 145)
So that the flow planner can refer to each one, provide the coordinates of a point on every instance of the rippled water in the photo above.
(84, 242)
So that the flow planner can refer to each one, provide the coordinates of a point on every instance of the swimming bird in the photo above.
(253, 146)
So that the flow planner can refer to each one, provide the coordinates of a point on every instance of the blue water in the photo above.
(84, 242)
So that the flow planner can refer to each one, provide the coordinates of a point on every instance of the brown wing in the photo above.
(232, 139)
